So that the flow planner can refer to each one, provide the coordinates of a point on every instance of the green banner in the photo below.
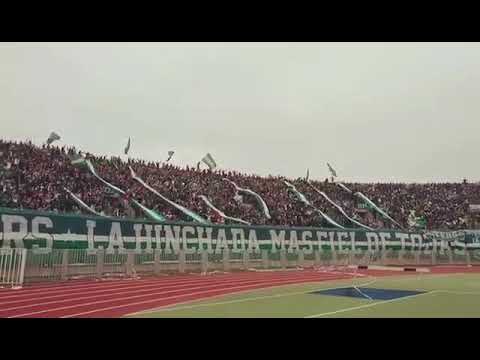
(20, 228)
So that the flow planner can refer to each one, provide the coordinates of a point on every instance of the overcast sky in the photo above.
(375, 111)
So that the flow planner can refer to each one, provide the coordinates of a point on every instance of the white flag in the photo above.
(208, 159)
(127, 147)
(53, 136)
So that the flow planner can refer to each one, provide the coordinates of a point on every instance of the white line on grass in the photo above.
(368, 305)
(170, 308)
(174, 307)
(459, 292)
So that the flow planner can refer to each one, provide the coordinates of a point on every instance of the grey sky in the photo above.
(386, 112)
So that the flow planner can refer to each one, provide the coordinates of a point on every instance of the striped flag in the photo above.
(297, 193)
(339, 208)
(208, 160)
(53, 137)
(375, 207)
(150, 213)
(332, 170)
(221, 213)
(304, 200)
(127, 148)
(189, 213)
(81, 203)
(257, 197)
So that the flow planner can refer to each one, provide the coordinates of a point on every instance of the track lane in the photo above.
(49, 309)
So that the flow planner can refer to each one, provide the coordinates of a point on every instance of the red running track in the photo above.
(115, 298)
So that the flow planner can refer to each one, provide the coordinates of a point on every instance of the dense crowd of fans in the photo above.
(33, 177)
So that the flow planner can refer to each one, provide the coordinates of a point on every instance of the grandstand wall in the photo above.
(33, 229)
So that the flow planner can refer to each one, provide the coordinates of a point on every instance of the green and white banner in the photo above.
(19, 228)
(220, 212)
(339, 208)
(305, 201)
(194, 216)
(257, 197)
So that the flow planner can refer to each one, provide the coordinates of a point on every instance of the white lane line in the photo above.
(369, 305)
(174, 308)
(252, 282)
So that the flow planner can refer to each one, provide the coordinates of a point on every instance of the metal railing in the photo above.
(12, 266)
(58, 264)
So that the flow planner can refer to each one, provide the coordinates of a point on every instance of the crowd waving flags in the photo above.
(371, 204)
(240, 193)
(304, 200)
(378, 209)
(82, 204)
(258, 198)
(194, 216)
(221, 213)
(153, 215)
(339, 208)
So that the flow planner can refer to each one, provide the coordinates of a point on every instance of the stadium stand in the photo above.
(33, 177)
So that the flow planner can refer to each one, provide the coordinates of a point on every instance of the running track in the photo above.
(115, 298)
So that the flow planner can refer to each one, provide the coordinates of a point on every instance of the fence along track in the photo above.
(12, 267)
(58, 264)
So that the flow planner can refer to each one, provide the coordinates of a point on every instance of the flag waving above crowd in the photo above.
(170, 154)
(208, 160)
(53, 137)
(127, 148)
(332, 170)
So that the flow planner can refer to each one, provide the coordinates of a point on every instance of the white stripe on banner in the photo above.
(339, 208)
(345, 188)
(250, 192)
(221, 213)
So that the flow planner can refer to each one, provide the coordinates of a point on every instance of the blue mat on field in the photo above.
(365, 293)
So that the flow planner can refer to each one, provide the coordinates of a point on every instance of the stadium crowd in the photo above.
(33, 177)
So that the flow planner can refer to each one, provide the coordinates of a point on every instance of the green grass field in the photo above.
(448, 295)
